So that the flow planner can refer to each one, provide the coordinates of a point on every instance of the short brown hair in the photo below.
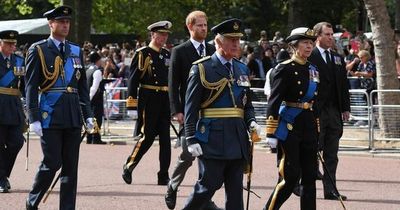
(318, 27)
(191, 18)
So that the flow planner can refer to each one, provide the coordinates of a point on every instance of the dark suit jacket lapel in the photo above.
(192, 52)
(321, 62)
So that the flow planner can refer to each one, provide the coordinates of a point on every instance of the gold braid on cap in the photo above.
(213, 86)
(50, 76)
(272, 125)
(145, 65)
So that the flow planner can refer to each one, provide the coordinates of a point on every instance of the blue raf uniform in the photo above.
(57, 98)
(12, 119)
(218, 112)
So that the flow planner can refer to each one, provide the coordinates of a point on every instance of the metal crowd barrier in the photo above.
(385, 122)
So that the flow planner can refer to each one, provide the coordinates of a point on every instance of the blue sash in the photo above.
(6, 80)
(289, 114)
(48, 100)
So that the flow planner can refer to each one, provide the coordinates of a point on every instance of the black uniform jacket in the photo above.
(228, 137)
(340, 81)
(11, 107)
(290, 82)
(182, 57)
(67, 112)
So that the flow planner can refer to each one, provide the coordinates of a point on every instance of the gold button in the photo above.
(315, 93)
(299, 82)
(156, 82)
(69, 89)
(296, 73)
(155, 75)
(45, 115)
(154, 67)
(301, 92)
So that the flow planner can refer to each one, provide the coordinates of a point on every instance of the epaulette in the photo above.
(201, 60)
(238, 60)
(39, 42)
(73, 43)
(287, 61)
(137, 50)
(18, 56)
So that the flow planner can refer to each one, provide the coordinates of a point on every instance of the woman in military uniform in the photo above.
(292, 122)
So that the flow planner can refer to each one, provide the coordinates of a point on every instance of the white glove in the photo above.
(256, 127)
(90, 124)
(36, 127)
(273, 142)
(195, 150)
(132, 113)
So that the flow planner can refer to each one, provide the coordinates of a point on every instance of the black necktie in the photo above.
(8, 63)
(61, 46)
(228, 65)
(327, 57)
(201, 49)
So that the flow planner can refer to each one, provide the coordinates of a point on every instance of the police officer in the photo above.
(292, 121)
(149, 72)
(12, 118)
(56, 75)
(94, 75)
(218, 114)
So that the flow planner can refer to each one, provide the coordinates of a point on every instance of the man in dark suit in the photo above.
(12, 119)
(333, 100)
(218, 115)
(149, 73)
(182, 58)
(56, 74)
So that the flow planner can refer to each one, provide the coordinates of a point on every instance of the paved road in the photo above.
(369, 182)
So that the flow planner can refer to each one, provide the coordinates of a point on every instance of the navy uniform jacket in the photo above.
(11, 112)
(66, 110)
(290, 82)
(182, 57)
(228, 137)
(155, 73)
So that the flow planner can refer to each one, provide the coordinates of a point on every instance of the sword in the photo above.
(331, 180)
(51, 188)
(254, 138)
(27, 150)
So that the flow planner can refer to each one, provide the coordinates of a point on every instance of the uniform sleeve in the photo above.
(192, 103)
(174, 82)
(133, 80)
(32, 79)
(278, 90)
(83, 92)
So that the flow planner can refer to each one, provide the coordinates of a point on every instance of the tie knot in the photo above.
(228, 65)
(61, 46)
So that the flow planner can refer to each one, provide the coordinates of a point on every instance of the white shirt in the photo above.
(57, 42)
(196, 45)
(322, 51)
(223, 60)
(97, 77)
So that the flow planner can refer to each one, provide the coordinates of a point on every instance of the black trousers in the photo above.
(98, 112)
(155, 118)
(11, 142)
(331, 132)
(60, 149)
(214, 173)
(298, 158)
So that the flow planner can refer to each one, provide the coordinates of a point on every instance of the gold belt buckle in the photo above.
(69, 89)
(306, 105)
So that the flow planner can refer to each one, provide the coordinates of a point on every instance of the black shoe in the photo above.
(334, 196)
(98, 142)
(273, 150)
(3, 185)
(298, 190)
(8, 184)
(319, 175)
(29, 207)
(163, 178)
(127, 175)
(211, 206)
(170, 197)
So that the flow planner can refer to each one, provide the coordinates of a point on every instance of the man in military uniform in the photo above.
(182, 58)
(56, 75)
(12, 119)
(218, 116)
(149, 72)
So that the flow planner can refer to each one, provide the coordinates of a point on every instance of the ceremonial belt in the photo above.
(62, 90)
(10, 91)
(221, 112)
(300, 105)
(154, 87)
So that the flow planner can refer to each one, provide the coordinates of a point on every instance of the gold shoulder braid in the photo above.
(50, 76)
(213, 86)
(145, 65)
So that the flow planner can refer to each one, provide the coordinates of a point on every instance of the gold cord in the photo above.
(50, 76)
